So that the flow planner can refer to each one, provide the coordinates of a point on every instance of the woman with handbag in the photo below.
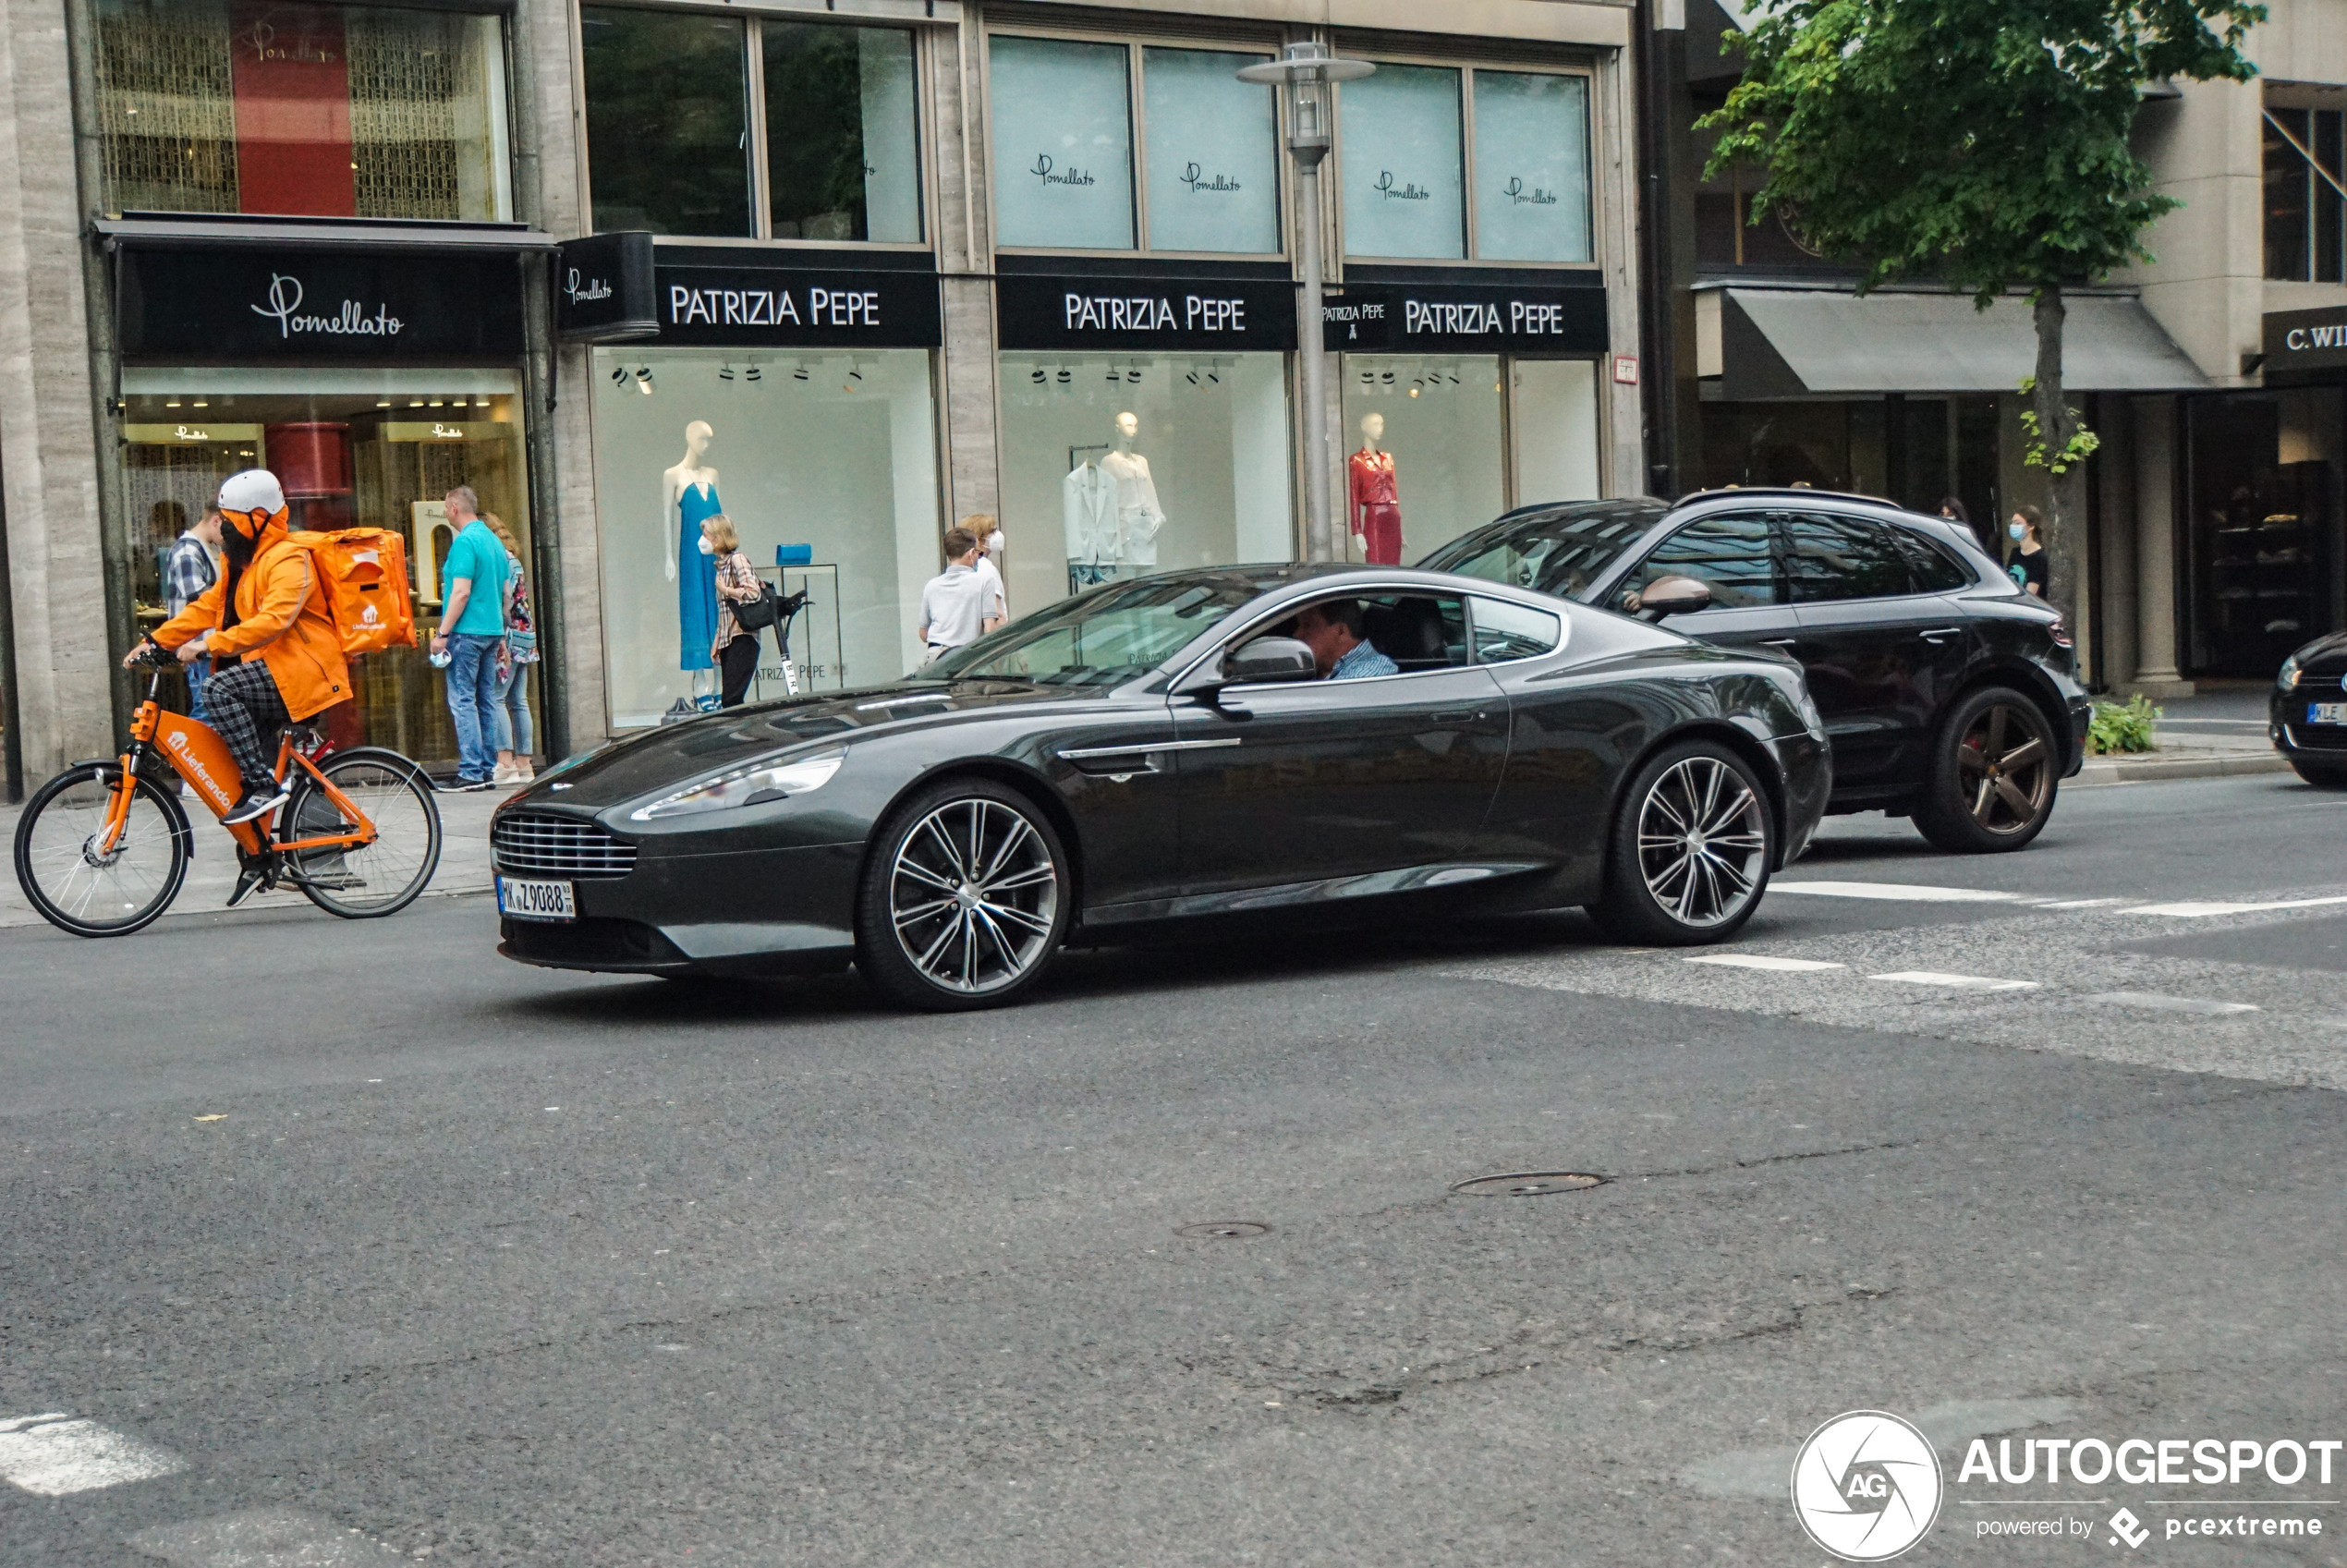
(516, 740)
(736, 647)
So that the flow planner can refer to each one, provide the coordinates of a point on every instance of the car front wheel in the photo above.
(1690, 854)
(965, 897)
(1992, 779)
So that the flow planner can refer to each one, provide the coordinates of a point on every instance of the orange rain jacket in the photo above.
(282, 615)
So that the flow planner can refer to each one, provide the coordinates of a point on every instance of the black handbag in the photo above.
(757, 614)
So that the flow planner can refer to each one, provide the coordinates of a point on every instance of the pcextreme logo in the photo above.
(1867, 1486)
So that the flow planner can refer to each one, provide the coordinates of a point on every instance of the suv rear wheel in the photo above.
(1994, 768)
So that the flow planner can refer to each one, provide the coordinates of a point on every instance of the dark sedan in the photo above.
(1168, 749)
(2309, 712)
(1950, 695)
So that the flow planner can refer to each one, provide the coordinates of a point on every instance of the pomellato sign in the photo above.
(218, 303)
(603, 288)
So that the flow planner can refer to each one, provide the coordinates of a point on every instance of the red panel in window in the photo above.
(292, 80)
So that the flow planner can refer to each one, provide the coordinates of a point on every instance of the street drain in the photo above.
(1223, 1230)
(1529, 1184)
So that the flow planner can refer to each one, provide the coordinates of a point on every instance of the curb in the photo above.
(2146, 769)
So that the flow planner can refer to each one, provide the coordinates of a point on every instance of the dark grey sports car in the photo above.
(1165, 749)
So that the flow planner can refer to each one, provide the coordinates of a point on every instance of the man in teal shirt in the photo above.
(473, 583)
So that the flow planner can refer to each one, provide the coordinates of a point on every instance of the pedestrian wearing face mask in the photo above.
(2027, 564)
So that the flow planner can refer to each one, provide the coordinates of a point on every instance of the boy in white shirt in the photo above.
(956, 604)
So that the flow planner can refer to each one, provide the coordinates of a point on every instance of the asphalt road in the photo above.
(332, 1244)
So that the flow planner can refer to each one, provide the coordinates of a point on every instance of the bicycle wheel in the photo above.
(371, 879)
(76, 888)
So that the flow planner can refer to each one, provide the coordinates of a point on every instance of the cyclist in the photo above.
(268, 602)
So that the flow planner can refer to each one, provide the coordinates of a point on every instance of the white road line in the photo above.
(2082, 904)
(58, 1454)
(263, 1537)
(2192, 909)
(1908, 891)
(1762, 961)
(2170, 1004)
(1969, 982)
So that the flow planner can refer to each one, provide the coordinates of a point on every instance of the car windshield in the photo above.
(1558, 553)
(1099, 638)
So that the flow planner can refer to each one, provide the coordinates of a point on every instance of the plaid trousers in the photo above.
(245, 707)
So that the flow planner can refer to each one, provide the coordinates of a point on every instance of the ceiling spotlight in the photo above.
(480, 402)
(202, 404)
(1039, 377)
(619, 375)
(798, 372)
(174, 402)
(644, 380)
(1134, 374)
(1368, 378)
(855, 372)
(1388, 378)
(1193, 377)
(438, 401)
(1212, 377)
(725, 372)
(1414, 392)
(415, 402)
(1064, 378)
(756, 374)
(379, 403)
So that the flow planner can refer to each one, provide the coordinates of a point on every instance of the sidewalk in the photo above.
(212, 872)
(2218, 732)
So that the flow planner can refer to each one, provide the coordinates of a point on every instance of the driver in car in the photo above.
(1334, 633)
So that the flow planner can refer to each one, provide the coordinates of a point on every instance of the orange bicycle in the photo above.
(102, 848)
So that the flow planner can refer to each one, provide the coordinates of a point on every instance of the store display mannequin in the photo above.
(689, 494)
(1372, 505)
(1137, 515)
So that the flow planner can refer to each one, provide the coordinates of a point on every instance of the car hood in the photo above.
(672, 755)
(2324, 656)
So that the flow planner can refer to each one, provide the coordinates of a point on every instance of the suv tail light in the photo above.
(2059, 633)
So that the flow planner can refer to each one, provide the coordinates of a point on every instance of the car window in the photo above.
(1417, 631)
(1829, 557)
(1729, 554)
(1558, 554)
(1101, 637)
(1934, 570)
(1505, 631)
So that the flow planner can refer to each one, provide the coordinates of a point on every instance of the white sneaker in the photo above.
(505, 776)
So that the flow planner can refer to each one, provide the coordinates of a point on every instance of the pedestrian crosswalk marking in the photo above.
(1912, 892)
(1968, 982)
(1762, 961)
(2192, 907)
(58, 1454)
(263, 1537)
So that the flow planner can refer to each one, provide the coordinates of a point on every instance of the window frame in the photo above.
(1136, 120)
(1475, 650)
(1472, 245)
(2322, 256)
(757, 178)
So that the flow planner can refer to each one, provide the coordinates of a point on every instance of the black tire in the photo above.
(374, 880)
(926, 934)
(138, 881)
(1687, 858)
(2318, 776)
(1995, 770)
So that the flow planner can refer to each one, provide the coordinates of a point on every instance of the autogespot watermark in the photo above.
(1867, 1485)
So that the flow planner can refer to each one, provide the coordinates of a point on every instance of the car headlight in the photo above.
(753, 783)
(2287, 678)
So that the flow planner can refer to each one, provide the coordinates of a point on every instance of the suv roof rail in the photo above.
(1803, 492)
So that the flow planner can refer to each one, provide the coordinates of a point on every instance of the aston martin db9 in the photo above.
(1299, 743)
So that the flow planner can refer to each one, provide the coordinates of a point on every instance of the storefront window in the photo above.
(1437, 418)
(353, 449)
(1213, 153)
(2264, 540)
(1555, 426)
(827, 457)
(1062, 144)
(1116, 466)
(840, 156)
(1403, 187)
(668, 121)
(327, 110)
(1531, 168)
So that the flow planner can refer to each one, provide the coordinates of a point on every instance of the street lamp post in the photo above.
(1306, 69)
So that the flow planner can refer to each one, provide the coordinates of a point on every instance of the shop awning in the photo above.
(1794, 343)
(141, 231)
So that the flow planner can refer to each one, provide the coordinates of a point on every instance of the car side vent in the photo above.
(534, 843)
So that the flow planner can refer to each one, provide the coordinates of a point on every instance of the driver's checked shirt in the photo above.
(1361, 663)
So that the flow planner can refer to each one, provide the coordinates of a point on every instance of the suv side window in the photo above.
(1934, 571)
(1731, 553)
(1505, 631)
(1829, 557)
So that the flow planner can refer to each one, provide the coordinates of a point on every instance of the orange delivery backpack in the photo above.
(365, 571)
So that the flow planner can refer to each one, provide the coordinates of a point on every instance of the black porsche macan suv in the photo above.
(1949, 694)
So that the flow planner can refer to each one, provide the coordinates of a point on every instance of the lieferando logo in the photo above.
(1867, 1486)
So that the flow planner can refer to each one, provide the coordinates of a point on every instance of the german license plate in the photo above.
(2327, 713)
(536, 901)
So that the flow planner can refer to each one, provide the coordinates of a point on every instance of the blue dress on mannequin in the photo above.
(696, 579)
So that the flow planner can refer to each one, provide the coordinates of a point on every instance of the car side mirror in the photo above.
(1674, 596)
(1269, 659)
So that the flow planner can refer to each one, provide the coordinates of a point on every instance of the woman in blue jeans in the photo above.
(516, 738)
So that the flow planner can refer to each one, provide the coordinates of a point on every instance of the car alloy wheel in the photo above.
(1702, 842)
(973, 896)
(2004, 769)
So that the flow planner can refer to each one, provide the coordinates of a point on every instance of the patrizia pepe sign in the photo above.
(263, 303)
(788, 308)
(1122, 314)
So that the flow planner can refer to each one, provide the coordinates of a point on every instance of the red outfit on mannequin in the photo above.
(1374, 506)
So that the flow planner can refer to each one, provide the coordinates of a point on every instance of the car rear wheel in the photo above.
(1992, 779)
(2319, 776)
(965, 898)
(1690, 854)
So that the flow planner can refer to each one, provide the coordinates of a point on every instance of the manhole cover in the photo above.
(1223, 1230)
(1529, 1184)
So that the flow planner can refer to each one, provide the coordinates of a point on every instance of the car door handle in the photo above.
(1459, 716)
(1780, 642)
(1940, 633)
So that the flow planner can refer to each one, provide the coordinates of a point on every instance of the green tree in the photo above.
(1981, 141)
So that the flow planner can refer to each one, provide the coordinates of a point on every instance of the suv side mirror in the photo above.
(1269, 659)
(1674, 596)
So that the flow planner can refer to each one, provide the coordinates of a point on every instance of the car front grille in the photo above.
(533, 842)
